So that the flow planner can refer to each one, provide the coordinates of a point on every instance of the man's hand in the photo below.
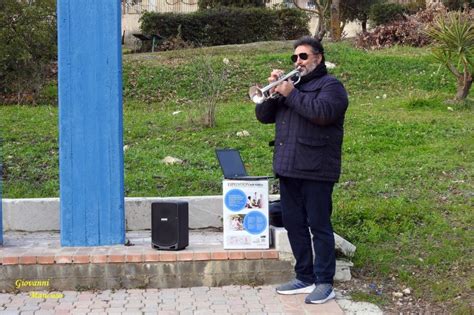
(285, 88)
(274, 76)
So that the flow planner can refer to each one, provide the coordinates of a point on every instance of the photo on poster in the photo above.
(236, 222)
(255, 200)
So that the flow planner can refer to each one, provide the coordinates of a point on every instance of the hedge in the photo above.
(383, 13)
(226, 25)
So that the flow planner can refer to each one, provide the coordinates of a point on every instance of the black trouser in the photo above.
(309, 203)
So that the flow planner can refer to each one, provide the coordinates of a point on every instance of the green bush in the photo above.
(226, 25)
(457, 4)
(415, 6)
(292, 23)
(27, 47)
(384, 13)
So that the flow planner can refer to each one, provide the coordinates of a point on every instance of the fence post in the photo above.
(90, 123)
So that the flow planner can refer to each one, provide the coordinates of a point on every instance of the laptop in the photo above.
(233, 167)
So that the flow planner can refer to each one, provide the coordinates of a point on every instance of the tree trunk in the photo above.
(464, 85)
(335, 21)
(364, 24)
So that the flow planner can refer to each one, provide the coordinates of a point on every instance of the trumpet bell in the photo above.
(256, 95)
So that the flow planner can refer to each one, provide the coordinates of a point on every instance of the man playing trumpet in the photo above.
(309, 119)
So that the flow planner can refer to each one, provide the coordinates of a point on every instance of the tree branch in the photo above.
(295, 2)
(453, 69)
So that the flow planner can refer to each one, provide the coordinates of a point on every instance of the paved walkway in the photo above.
(198, 300)
(20, 249)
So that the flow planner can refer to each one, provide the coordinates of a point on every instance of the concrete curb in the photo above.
(42, 214)
(343, 267)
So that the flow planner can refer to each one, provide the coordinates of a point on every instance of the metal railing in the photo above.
(176, 6)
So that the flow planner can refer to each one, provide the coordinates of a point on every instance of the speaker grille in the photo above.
(167, 226)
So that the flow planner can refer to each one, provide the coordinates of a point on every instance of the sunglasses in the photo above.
(303, 56)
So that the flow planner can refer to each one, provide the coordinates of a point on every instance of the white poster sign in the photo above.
(245, 214)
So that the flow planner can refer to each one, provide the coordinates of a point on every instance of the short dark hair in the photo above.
(315, 44)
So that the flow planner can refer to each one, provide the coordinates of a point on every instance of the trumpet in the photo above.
(259, 95)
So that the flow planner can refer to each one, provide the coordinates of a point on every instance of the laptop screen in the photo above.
(231, 163)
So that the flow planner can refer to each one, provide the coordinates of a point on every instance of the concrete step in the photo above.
(36, 261)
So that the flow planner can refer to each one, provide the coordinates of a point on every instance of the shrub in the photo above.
(27, 48)
(410, 31)
(383, 13)
(396, 33)
(415, 6)
(208, 84)
(453, 34)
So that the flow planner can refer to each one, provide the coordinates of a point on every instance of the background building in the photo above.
(132, 10)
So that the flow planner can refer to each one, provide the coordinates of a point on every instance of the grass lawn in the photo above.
(405, 198)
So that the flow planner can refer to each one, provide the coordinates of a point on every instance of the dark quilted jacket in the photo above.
(309, 129)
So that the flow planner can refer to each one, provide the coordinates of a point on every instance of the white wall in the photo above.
(130, 25)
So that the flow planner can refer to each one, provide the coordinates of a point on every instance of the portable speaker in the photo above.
(169, 225)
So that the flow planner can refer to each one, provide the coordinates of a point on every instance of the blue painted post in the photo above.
(90, 123)
(1, 215)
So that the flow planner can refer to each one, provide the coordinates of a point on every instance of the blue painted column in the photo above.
(1, 215)
(90, 123)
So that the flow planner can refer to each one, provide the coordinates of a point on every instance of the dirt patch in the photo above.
(389, 296)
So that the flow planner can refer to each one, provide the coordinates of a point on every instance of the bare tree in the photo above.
(320, 10)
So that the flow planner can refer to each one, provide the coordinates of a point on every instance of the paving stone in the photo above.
(168, 301)
(64, 307)
(132, 311)
(219, 307)
(117, 303)
(115, 310)
(201, 305)
(10, 310)
(15, 304)
(134, 305)
(98, 305)
(149, 309)
(29, 308)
